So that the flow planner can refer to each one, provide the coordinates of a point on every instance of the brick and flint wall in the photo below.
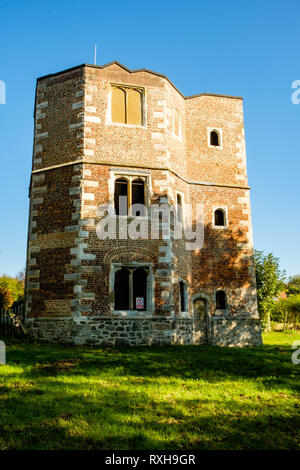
(77, 153)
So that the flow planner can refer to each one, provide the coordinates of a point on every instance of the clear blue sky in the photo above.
(247, 48)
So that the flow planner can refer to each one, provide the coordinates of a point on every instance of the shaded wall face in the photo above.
(50, 242)
(225, 261)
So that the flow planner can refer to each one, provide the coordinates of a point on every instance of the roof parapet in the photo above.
(115, 62)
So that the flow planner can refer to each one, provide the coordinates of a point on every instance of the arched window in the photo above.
(134, 106)
(131, 192)
(179, 208)
(122, 289)
(130, 289)
(221, 300)
(214, 139)
(138, 195)
(220, 218)
(121, 190)
(118, 105)
(183, 296)
(139, 289)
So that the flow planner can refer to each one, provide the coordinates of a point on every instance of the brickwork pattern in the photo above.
(77, 153)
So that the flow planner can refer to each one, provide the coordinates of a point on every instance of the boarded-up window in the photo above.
(126, 105)
(176, 123)
(134, 106)
(118, 105)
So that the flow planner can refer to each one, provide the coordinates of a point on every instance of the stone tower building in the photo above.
(128, 141)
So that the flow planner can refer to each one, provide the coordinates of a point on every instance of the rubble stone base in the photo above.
(153, 331)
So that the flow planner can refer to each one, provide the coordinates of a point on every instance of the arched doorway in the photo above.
(201, 320)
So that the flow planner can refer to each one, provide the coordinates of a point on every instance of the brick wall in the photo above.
(77, 152)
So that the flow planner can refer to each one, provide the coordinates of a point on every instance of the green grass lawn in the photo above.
(183, 397)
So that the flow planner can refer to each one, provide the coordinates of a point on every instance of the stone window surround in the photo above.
(186, 313)
(108, 120)
(130, 175)
(225, 210)
(220, 133)
(219, 312)
(150, 290)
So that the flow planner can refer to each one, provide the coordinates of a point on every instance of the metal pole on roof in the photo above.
(95, 54)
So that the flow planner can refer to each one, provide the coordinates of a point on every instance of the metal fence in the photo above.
(11, 321)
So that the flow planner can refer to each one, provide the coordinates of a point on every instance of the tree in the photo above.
(11, 290)
(270, 281)
(291, 307)
(293, 285)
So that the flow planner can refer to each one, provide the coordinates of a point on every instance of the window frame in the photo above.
(150, 287)
(124, 86)
(130, 180)
(221, 310)
(183, 313)
(219, 131)
(225, 211)
(130, 176)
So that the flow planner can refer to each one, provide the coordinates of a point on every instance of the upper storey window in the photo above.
(214, 137)
(220, 217)
(129, 196)
(127, 105)
(176, 123)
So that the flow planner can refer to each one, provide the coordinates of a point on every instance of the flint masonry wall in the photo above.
(77, 152)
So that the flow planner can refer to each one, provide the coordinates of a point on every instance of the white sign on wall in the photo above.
(139, 302)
